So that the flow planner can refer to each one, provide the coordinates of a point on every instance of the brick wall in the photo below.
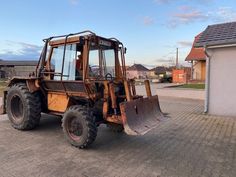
(181, 75)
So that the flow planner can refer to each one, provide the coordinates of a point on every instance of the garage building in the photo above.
(219, 42)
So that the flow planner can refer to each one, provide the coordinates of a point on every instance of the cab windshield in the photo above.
(101, 56)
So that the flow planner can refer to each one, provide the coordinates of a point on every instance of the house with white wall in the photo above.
(219, 43)
(137, 71)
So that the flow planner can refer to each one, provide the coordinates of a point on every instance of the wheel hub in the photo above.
(17, 107)
(75, 128)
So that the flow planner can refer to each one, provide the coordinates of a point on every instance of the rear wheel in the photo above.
(79, 126)
(23, 108)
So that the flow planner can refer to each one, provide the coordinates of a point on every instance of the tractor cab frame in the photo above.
(82, 77)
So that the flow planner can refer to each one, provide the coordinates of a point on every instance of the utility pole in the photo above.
(177, 57)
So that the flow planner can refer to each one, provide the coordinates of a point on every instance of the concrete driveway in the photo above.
(188, 144)
(163, 89)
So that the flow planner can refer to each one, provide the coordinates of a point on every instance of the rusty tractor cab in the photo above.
(81, 77)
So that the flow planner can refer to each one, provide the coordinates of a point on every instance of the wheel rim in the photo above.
(75, 129)
(17, 107)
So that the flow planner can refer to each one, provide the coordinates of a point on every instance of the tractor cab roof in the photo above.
(80, 37)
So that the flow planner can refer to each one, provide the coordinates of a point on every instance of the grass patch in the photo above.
(193, 86)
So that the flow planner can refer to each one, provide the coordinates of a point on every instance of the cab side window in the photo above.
(69, 62)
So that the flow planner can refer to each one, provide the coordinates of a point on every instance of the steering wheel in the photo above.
(108, 76)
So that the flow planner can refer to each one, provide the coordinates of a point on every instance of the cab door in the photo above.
(63, 78)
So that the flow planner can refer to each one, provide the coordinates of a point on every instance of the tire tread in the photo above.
(33, 107)
(88, 117)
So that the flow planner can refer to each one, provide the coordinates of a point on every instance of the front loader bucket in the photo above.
(141, 115)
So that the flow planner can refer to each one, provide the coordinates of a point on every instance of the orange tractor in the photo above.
(81, 77)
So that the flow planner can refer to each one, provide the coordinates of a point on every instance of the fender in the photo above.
(31, 82)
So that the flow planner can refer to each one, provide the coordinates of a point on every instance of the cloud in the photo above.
(147, 21)
(223, 14)
(185, 8)
(164, 60)
(183, 1)
(20, 50)
(185, 43)
(163, 1)
(74, 2)
(167, 61)
(189, 16)
(186, 15)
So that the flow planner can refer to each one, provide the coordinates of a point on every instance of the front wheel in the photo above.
(79, 126)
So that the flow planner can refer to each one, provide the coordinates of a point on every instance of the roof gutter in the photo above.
(207, 81)
(221, 46)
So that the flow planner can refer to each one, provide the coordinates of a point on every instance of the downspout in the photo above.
(207, 81)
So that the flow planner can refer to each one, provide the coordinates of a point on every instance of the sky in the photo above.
(150, 29)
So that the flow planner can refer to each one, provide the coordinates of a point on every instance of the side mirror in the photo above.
(125, 50)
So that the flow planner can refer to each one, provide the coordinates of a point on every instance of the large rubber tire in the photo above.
(23, 108)
(79, 126)
(115, 127)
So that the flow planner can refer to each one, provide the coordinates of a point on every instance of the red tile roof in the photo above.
(196, 53)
